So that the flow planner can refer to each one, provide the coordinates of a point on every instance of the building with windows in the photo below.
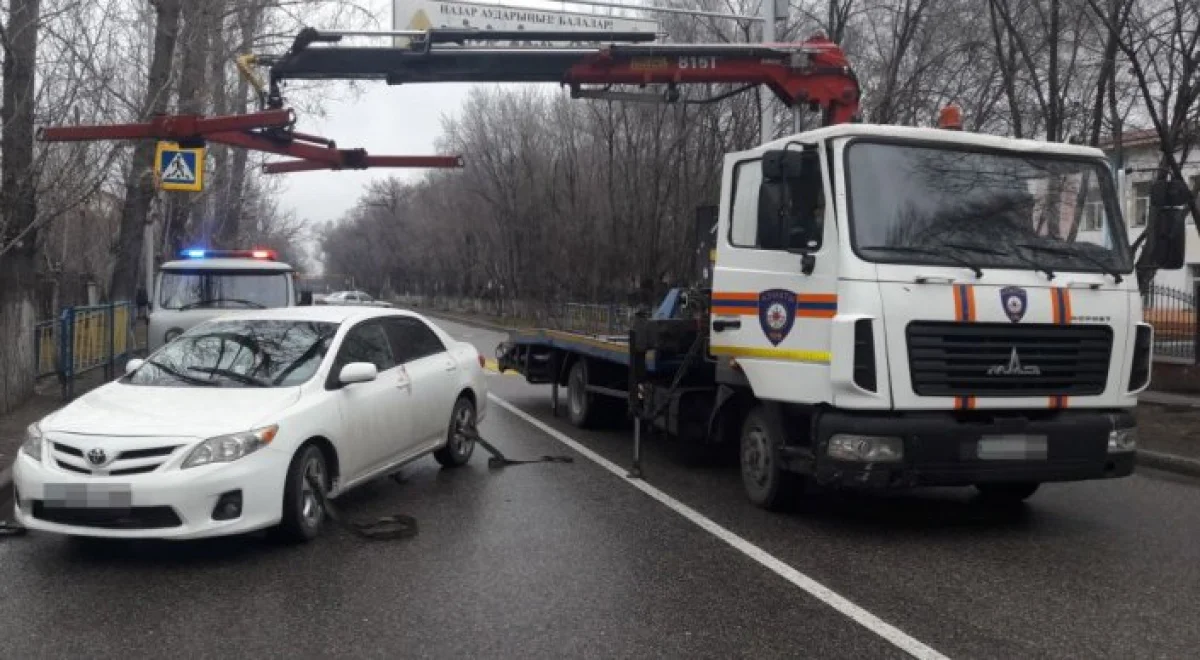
(1141, 156)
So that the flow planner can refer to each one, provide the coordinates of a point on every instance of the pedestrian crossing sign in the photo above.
(179, 168)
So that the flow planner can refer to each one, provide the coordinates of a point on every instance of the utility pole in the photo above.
(767, 120)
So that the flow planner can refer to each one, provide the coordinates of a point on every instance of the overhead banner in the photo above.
(426, 14)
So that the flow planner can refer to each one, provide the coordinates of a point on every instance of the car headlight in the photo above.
(229, 448)
(33, 442)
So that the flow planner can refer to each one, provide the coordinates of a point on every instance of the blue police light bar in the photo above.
(198, 253)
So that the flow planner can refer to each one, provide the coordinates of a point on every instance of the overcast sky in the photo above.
(384, 120)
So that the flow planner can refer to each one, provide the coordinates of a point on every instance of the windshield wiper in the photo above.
(184, 377)
(206, 303)
(1067, 252)
(300, 361)
(912, 249)
(242, 378)
(983, 249)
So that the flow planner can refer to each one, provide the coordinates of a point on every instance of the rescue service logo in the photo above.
(1015, 302)
(776, 313)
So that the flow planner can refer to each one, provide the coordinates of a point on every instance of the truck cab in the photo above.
(207, 283)
(911, 306)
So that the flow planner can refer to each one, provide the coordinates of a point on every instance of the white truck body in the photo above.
(189, 291)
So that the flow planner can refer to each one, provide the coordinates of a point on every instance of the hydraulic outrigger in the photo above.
(813, 74)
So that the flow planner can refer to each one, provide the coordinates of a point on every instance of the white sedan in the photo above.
(215, 433)
(353, 298)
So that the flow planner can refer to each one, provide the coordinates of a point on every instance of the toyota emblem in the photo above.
(97, 456)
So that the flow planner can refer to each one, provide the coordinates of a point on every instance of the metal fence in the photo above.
(83, 339)
(596, 319)
(1173, 313)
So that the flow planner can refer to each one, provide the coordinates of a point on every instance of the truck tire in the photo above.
(767, 484)
(581, 404)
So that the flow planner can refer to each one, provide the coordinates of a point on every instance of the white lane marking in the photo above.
(817, 590)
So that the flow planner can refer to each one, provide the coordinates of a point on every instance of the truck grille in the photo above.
(1000, 359)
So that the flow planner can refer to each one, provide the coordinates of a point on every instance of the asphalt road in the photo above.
(554, 560)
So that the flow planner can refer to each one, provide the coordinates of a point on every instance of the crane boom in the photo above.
(813, 73)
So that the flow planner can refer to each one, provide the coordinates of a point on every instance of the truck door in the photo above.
(775, 281)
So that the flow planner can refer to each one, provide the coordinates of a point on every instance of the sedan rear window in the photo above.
(239, 353)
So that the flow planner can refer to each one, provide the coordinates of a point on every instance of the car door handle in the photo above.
(404, 385)
(721, 325)
(451, 366)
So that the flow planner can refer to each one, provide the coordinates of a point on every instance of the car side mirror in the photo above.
(306, 298)
(133, 365)
(357, 372)
(1167, 241)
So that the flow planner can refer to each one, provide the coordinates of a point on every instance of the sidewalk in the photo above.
(1168, 437)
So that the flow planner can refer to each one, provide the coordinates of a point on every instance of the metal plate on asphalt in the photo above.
(1012, 447)
(88, 496)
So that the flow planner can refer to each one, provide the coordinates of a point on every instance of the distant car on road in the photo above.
(216, 432)
(353, 298)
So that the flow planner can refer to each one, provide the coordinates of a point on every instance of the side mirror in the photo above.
(133, 365)
(1168, 212)
(357, 372)
(306, 298)
(788, 164)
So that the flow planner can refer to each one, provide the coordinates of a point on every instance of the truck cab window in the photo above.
(776, 215)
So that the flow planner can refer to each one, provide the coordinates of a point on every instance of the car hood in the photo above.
(135, 410)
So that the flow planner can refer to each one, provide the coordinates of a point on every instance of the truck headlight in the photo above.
(33, 442)
(229, 448)
(1122, 441)
(865, 448)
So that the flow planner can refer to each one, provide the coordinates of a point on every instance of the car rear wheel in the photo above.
(459, 444)
(302, 510)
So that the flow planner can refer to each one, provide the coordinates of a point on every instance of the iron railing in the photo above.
(83, 339)
(1173, 314)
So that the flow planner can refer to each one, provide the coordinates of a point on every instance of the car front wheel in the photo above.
(302, 510)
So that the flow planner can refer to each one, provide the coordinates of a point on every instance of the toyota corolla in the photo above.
(220, 431)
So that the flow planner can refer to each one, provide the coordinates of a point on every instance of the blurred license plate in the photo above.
(1012, 447)
(88, 496)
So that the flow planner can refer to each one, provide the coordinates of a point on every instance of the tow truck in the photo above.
(875, 307)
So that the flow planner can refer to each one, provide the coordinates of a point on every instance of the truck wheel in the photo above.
(581, 404)
(767, 484)
(1006, 493)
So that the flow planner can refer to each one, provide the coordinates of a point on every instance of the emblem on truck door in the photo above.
(1014, 368)
(1015, 302)
(776, 313)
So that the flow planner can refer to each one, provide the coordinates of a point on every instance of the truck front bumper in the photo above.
(953, 449)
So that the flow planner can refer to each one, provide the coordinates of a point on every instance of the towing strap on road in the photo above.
(498, 459)
(402, 526)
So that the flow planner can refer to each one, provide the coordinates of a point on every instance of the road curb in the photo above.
(1169, 462)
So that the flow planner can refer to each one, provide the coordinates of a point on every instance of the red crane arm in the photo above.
(268, 131)
(814, 73)
(811, 73)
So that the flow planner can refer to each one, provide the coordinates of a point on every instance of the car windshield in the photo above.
(939, 205)
(182, 289)
(239, 353)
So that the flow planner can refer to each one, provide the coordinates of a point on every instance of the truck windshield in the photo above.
(943, 205)
(183, 289)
